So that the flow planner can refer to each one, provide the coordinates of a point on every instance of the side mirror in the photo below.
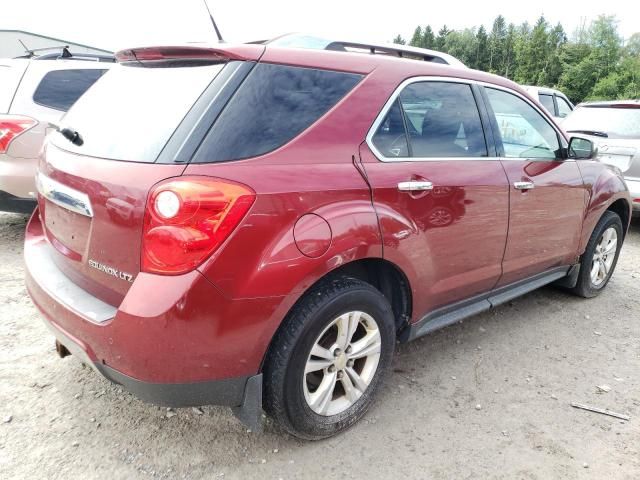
(581, 149)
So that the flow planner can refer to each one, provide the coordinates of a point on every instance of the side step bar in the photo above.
(451, 314)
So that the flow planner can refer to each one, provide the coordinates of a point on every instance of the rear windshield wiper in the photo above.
(72, 135)
(594, 133)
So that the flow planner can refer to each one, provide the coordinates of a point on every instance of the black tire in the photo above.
(284, 367)
(585, 286)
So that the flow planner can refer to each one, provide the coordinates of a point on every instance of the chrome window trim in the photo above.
(424, 78)
(63, 196)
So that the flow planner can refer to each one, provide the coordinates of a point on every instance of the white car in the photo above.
(33, 92)
(556, 102)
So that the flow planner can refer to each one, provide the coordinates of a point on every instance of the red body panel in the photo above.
(323, 200)
(545, 223)
(449, 241)
(118, 200)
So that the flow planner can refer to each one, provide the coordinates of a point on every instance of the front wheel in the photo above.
(328, 359)
(600, 257)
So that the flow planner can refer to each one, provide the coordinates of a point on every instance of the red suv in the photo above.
(257, 226)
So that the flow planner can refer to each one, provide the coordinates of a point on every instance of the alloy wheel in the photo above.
(342, 363)
(603, 256)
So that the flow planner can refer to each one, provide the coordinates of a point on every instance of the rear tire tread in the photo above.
(285, 340)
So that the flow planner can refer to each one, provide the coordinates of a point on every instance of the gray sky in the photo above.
(114, 24)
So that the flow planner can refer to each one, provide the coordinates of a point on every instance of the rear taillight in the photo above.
(187, 219)
(12, 126)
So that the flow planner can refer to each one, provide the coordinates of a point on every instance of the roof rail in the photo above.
(295, 40)
(402, 51)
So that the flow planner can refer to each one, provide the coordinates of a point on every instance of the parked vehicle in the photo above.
(34, 91)
(255, 227)
(556, 102)
(615, 128)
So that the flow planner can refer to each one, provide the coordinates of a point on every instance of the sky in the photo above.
(116, 24)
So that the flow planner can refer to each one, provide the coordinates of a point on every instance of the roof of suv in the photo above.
(354, 62)
(294, 40)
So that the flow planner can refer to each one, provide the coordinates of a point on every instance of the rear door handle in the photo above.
(523, 185)
(415, 186)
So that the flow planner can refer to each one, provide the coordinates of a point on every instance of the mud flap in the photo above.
(250, 412)
(571, 280)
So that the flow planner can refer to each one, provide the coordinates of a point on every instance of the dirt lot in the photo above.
(488, 398)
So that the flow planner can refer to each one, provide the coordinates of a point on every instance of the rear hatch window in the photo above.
(131, 112)
(59, 89)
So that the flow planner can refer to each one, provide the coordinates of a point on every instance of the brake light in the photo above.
(11, 127)
(187, 219)
(636, 200)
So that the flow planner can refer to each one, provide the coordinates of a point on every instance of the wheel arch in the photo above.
(382, 274)
(622, 208)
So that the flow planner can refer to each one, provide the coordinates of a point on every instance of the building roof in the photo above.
(59, 40)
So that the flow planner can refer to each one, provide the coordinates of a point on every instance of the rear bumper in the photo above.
(18, 175)
(173, 341)
(634, 189)
(227, 392)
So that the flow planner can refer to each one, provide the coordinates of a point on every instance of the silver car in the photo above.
(615, 128)
(33, 92)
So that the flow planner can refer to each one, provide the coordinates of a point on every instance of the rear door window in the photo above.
(59, 89)
(390, 138)
(441, 119)
(271, 107)
(547, 102)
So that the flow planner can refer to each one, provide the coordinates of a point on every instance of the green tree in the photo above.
(497, 40)
(399, 40)
(481, 61)
(509, 53)
(416, 40)
(441, 39)
(428, 38)
(593, 63)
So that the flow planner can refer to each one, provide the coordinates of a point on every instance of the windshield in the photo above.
(615, 122)
(131, 112)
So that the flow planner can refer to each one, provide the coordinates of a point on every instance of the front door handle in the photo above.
(523, 185)
(415, 186)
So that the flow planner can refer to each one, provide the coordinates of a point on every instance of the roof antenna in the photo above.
(30, 53)
(215, 27)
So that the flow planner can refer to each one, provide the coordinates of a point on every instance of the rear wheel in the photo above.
(328, 359)
(600, 257)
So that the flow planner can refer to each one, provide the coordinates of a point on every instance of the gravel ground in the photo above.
(489, 398)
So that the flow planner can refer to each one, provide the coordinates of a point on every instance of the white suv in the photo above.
(556, 102)
(33, 92)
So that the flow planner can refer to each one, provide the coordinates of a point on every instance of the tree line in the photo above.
(594, 64)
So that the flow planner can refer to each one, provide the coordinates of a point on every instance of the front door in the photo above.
(442, 202)
(547, 195)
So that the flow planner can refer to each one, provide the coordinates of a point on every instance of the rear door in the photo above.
(547, 195)
(442, 201)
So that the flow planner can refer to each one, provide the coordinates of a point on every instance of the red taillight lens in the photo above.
(187, 219)
(12, 126)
